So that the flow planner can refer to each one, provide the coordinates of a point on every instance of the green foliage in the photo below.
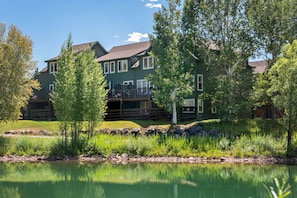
(274, 24)
(80, 93)
(283, 88)
(172, 80)
(16, 72)
(282, 190)
(258, 145)
(27, 146)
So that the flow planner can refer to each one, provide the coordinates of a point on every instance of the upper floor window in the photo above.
(53, 67)
(112, 67)
(148, 62)
(106, 68)
(200, 82)
(122, 65)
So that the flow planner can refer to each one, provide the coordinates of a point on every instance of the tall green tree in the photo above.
(172, 81)
(274, 24)
(80, 93)
(16, 72)
(95, 94)
(283, 88)
(63, 96)
(220, 30)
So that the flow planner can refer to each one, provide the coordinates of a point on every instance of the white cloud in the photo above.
(153, 0)
(136, 37)
(153, 5)
(116, 36)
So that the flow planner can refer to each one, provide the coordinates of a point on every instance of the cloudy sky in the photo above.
(111, 22)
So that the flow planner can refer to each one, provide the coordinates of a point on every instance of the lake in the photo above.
(106, 180)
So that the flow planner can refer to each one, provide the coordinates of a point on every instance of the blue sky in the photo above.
(48, 23)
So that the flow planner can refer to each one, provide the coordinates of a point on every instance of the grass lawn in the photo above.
(54, 125)
(247, 126)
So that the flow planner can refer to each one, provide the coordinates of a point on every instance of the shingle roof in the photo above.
(125, 51)
(259, 66)
(78, 48)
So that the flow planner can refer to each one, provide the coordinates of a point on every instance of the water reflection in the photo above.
(65, 179)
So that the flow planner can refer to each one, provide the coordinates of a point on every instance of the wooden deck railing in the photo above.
(136, 114)
(40, 114)
(130, 93)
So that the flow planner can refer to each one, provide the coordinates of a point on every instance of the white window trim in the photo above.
(200, 104)
(128, 82)
(146, 59)
(122, 61)
(114, 68)
(213, 108)
(51, 87)
(106, 68)
(52, 68)
(200, 82)
(189, 103)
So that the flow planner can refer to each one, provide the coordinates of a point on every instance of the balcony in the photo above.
(130, 94)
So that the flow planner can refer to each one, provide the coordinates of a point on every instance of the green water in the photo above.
(84, 180)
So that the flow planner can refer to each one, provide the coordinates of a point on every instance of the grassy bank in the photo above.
(245, 138)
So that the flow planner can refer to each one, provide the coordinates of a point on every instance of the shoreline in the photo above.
(125, 159)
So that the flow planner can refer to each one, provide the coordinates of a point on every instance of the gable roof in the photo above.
(125, 51)
(79, 48)
(259, 66)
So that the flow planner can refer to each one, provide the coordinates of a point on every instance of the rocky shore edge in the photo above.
(125, 159)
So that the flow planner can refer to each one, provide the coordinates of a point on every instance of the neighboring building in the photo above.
(40, 106)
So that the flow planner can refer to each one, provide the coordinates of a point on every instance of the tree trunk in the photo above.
(289, 141)
(174, 113)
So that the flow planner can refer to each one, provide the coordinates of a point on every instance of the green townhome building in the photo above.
(40, 106)
(130, 94)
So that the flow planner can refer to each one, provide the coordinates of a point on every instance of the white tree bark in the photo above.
(174, 111)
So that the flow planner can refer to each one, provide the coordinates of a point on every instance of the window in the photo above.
(106, 68)
(213, 108)
(142, 86)
(122, 66)
(200, 82)
(189, 106)
(128, 82)
(112, 67)
(53, 67)
(200, 106)
(144, 107)
(148, 62)
(51, 87)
